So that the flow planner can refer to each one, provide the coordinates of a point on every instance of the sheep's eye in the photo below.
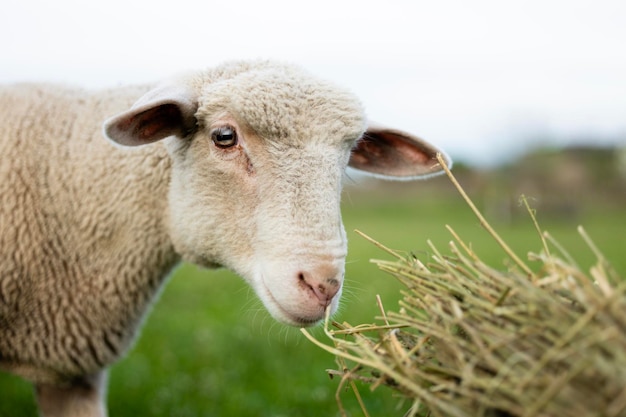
(224, 137)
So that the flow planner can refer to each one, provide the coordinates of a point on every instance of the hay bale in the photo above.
(473, 340)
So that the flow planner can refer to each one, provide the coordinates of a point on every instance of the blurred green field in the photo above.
(210, 349)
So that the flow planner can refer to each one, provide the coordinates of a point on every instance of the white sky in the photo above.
(480, 78)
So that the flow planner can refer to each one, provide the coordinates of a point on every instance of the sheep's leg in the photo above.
(84, 397)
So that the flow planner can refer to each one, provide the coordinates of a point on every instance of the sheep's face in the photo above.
(258, 155)
(257, 188)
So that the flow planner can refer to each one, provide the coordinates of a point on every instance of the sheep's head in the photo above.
(259, 151)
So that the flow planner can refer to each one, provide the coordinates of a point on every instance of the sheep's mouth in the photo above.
(286, 316)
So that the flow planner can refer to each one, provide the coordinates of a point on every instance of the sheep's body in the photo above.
(67, 235)
(89, 231)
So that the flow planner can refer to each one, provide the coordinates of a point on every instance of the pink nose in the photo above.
(323, 289)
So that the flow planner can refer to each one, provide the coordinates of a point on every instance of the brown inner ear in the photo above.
(157, 123)
(393, 153)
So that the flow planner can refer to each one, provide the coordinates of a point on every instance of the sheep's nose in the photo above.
(323, 289)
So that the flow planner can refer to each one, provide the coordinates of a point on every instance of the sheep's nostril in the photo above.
(323, 290)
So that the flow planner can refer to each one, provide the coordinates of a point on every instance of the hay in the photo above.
(473, 340)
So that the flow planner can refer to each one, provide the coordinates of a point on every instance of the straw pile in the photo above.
(473, 340)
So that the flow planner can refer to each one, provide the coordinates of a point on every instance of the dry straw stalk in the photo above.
(473, 340)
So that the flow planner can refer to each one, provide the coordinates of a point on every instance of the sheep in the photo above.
(238, 166)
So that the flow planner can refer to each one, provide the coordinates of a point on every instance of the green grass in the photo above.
(209, 348)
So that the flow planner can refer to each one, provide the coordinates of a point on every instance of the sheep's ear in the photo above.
(393, 154)
(162, 112)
